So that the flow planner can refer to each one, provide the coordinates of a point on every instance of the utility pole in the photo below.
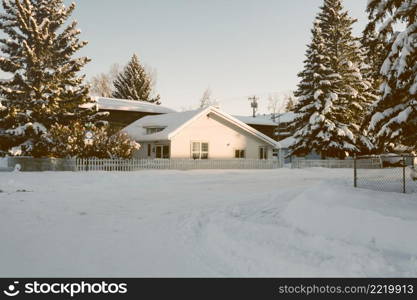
(254, 104)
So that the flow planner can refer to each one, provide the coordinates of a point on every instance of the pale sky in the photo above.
(238, 48)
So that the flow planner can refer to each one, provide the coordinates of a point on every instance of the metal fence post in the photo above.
(355, 174)
(404, 189)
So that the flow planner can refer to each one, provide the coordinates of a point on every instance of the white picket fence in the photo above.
(371, 163)
(93, 164)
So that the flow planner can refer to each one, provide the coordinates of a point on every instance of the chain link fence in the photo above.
(396, 173)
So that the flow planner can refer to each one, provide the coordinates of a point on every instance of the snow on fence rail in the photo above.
(93, 164)
(371, 163)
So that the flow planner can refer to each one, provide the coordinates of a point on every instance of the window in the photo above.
(204, 151)
(151, 130)
(199, 150)
(162, 151)
(149, 150)
(239, 153)
(195, 150)
(263, 153)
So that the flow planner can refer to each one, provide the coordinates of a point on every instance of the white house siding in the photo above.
(223, 138)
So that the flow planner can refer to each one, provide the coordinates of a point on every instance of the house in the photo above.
(284, 122)
(274, 126)
(285, 148)
(262, 123)
(199, 134)
(123, 112)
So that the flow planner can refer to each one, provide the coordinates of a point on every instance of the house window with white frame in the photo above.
(199, 150)
(263, 153)
(152, 130)
(239, 153)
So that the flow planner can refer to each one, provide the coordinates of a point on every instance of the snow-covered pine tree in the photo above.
(310, 97)
(332, 94)
(44, 88)
(394, 115)
(374, 50)
(134, 83)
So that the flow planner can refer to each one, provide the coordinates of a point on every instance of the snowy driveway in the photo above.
(203, 223)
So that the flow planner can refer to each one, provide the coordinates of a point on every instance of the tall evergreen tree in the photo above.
(375, 50)
(332, 93)
(134, 83)
(394, 116)
(44, 88)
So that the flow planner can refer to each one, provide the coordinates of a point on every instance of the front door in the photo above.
(162, 151)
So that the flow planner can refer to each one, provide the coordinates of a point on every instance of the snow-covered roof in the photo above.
(131, 105)
(127, 105)
(285, 143)
(267, 120)
(258, 120)
(287, 117)
(172, 123)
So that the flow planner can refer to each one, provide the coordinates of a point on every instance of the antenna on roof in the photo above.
(254, 104)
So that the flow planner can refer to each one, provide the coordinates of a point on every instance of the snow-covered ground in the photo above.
(203, 223)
